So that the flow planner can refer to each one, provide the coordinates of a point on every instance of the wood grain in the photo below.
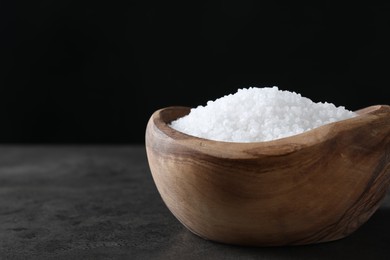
(314, 187)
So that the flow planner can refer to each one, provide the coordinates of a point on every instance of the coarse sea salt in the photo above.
(258, 114)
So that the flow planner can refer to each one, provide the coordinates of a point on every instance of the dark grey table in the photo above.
(100, 202)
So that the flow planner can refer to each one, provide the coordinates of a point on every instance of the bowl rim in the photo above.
(162, 118)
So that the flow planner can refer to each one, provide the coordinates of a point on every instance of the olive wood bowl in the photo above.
(317, 186)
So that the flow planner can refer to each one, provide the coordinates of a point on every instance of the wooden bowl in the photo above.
(317, 186)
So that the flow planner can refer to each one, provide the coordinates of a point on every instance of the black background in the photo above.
(94, 72)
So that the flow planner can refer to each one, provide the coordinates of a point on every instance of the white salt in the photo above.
(258, 114)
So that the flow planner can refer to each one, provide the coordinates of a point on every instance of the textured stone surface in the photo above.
(100, 202)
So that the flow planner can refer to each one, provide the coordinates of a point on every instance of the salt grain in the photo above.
(258, 114)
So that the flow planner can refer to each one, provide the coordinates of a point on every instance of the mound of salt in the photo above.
(258, 114)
